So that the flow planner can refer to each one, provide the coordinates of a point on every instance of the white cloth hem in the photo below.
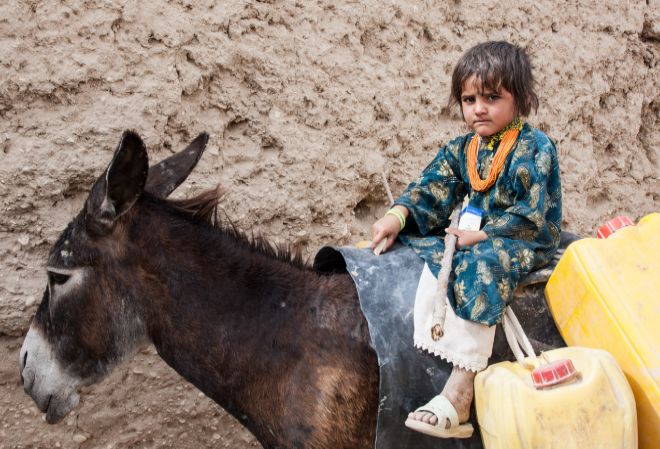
(464, 343)
(453, 358)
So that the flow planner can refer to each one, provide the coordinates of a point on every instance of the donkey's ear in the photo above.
(169, 173)
(120, 185)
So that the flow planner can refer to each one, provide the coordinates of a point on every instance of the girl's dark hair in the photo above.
(496, 65)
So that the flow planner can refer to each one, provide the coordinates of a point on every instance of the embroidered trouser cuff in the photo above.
(465, 344)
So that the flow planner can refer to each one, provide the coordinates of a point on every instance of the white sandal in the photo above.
(443, 410)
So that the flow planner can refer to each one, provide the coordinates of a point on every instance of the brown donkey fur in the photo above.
(283, 349)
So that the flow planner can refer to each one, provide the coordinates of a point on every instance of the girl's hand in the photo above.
(467, 238)
(388, 228)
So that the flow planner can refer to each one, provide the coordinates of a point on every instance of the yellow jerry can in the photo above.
(605, 293)
(593, 410)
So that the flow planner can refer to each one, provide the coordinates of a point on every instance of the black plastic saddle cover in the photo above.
(410, 377)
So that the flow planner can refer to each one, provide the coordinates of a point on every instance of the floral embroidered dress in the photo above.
(522, 218)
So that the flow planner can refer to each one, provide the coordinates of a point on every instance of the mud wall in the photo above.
(307, 102)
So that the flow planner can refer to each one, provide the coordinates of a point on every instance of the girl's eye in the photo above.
(468, 99)
(493, 97)
(57, 278)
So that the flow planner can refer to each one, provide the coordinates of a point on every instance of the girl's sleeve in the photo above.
(431, 197)
(536, 210)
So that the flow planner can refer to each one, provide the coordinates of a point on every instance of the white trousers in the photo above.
(465, 344)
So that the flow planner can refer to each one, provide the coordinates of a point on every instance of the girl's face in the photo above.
(486, 112)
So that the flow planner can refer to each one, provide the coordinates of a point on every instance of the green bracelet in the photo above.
(398, 214)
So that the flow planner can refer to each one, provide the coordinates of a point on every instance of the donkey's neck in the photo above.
(240, 324)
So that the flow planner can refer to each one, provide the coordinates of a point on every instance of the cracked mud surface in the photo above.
(307, 103)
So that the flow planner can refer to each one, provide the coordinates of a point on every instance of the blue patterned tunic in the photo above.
(522, 218)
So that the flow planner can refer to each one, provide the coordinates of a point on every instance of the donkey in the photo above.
(284, 349)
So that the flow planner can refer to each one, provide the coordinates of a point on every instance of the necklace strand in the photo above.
(508, 140)
(516, 123)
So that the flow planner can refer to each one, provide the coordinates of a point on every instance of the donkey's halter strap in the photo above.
(506, 145)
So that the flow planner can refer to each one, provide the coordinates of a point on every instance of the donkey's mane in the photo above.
(203, 208)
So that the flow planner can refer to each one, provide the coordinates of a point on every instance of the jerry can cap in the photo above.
(614, 225)
(553, 373)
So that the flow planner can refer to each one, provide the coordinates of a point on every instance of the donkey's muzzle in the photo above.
(44, 379)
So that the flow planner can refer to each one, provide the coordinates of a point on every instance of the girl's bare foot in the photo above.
(459, 390)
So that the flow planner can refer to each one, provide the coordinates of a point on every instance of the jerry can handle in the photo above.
(544, 375)
(518, 341)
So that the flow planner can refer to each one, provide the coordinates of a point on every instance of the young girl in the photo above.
(509, 171)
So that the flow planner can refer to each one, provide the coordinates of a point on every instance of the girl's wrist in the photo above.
(403, 209)
(398, 214)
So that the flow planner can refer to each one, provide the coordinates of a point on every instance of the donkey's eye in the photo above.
(58, 278)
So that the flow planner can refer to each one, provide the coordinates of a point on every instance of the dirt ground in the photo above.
(307, 103)
(143, 404)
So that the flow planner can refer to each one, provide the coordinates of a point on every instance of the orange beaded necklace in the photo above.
(506, 145)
